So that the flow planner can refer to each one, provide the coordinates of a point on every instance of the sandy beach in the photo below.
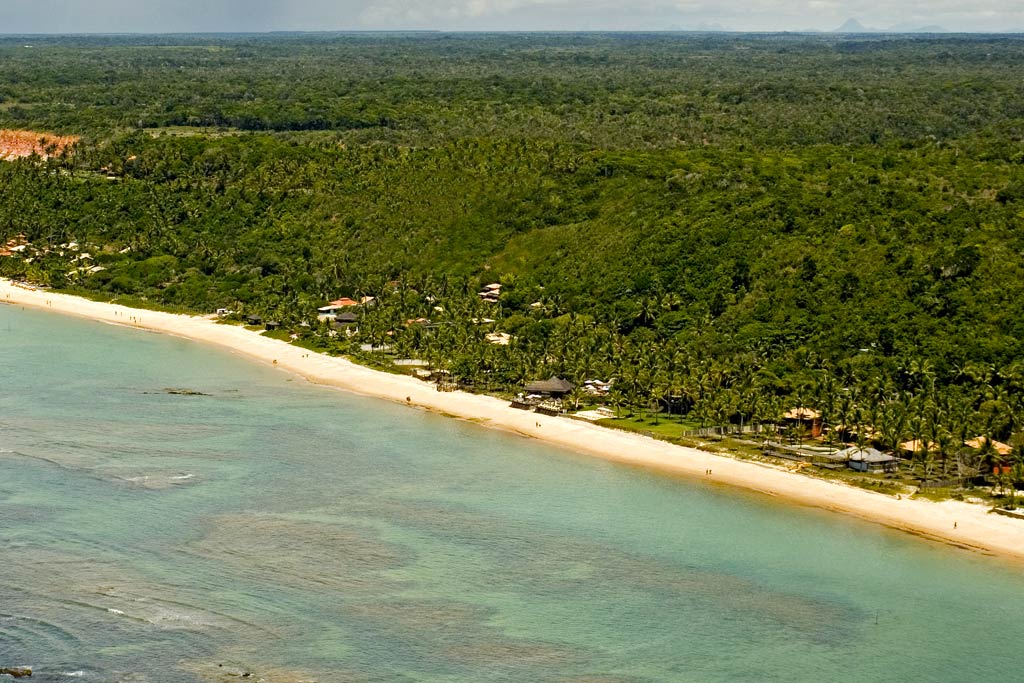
(961, 524)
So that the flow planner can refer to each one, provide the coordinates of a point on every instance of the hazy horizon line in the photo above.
(809, 31)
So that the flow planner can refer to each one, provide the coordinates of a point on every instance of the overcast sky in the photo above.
(102, 16)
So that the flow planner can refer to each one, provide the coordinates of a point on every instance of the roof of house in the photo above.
(979, 441)
(914, 446)
(802, 414)
(554, 385)
(865, 455)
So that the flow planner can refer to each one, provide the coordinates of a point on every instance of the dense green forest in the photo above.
(727, 225)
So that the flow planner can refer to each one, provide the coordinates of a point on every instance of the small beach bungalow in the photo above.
(869, 460)
(1001, 464)
(978, 443)
(345, 319)
(915, 446)
(808, 418)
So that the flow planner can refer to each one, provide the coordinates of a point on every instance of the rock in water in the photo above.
(16, 671)
(183, 392)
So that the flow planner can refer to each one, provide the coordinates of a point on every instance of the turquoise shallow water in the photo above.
(297, 532)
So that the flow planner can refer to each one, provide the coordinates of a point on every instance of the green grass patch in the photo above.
(280, 333)
(670, 429)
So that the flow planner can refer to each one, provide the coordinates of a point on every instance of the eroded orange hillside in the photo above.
(15, 144)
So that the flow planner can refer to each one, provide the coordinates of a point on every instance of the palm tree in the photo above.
(945, 443)
(988, 456)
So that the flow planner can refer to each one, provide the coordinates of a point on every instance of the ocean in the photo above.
(171, 512)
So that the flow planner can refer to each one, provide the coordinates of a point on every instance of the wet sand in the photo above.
(963, 525)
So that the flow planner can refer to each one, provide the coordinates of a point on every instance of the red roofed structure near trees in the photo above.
(14, 244)
(330, 311)
(805, 417)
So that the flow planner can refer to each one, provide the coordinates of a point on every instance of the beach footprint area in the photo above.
(249, 523)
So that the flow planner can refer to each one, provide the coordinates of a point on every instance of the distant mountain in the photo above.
(914, 28)
(851, 25)
(713, 26)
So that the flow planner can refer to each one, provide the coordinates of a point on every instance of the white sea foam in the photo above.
(182, 477)
(114, 611)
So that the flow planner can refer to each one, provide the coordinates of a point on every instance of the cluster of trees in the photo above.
(726, 225)
(865, 399)
(628, 91)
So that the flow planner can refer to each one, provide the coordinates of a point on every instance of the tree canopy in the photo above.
(695, 215)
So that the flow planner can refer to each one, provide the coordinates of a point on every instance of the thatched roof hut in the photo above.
(802, 414)
(555, 386)
(915, 446)
(978, 442)
(347, 318)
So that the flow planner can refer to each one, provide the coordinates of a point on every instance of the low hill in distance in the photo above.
(852, 25)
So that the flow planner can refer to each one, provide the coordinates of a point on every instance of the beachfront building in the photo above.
(555, 387)
(1001, 463)
(15, 245)
(807, 418)
(331, 310)
(344, 320)
(596, 387)
(915, 446)
(334, 308)
(869, 460)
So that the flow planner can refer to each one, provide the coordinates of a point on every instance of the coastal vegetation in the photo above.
(722, 227)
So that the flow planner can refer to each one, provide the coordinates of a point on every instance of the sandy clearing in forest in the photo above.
(16, 144)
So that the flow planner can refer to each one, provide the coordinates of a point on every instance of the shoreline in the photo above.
(976, 528)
